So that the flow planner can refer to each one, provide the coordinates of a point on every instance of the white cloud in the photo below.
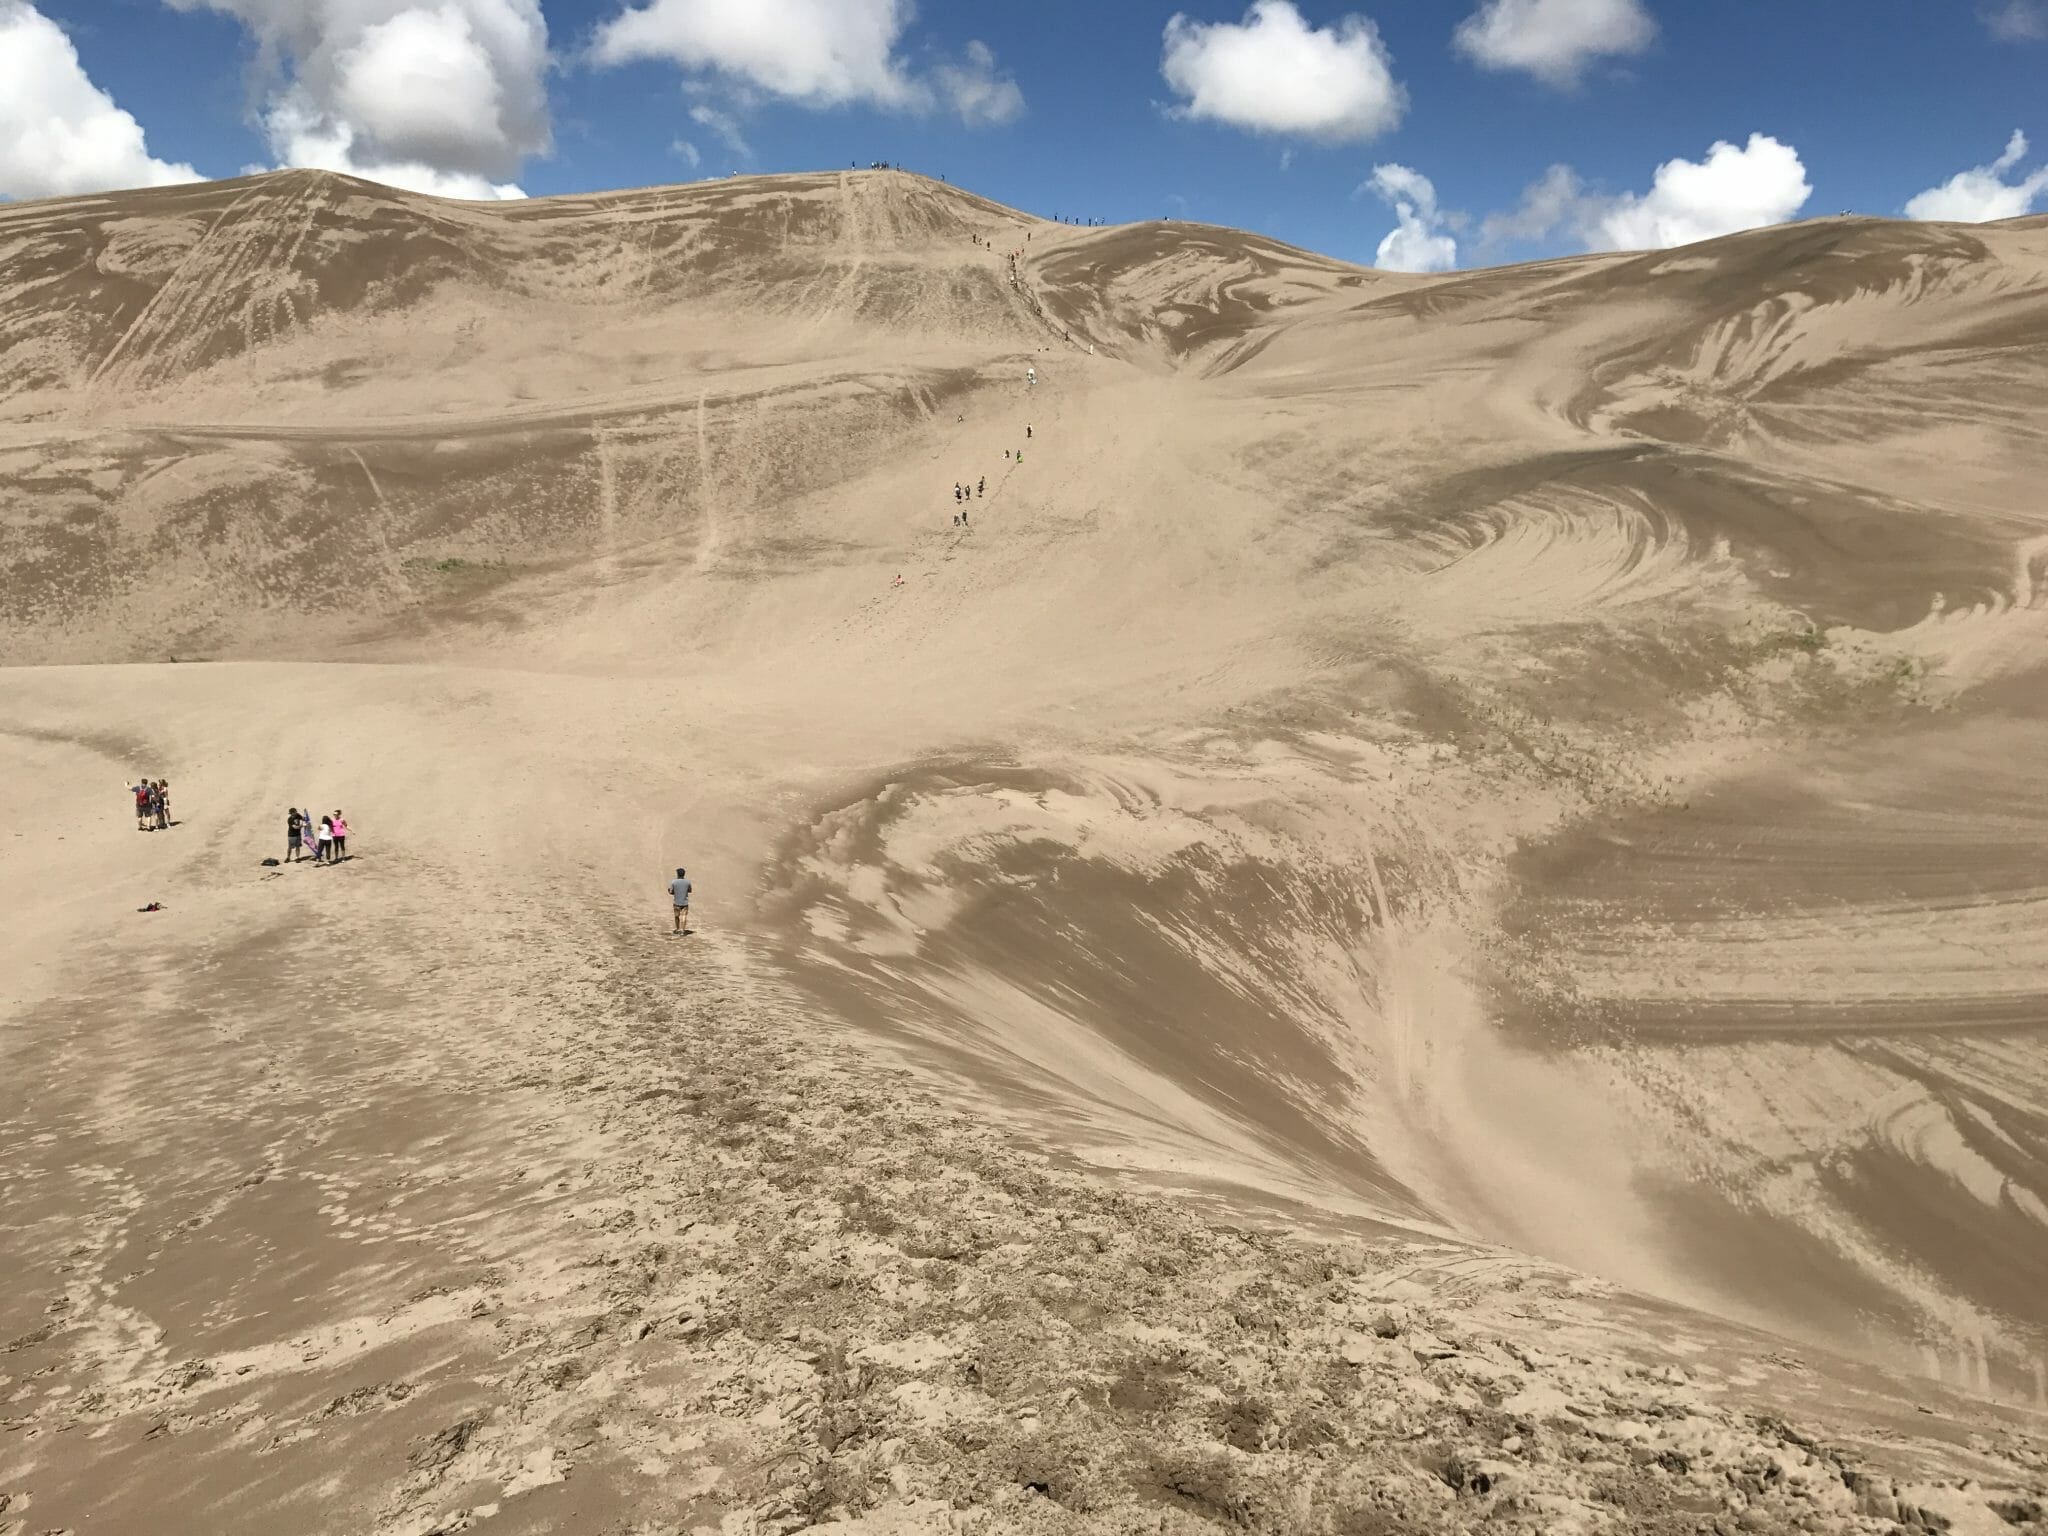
(820, 52)
(1557, 200)
(2017, 21)
(1554, 40)
(1731, 189)
(441, 96)
(1983, 193)
(725, 127)
(1418, 242)
(686, 152)
(976, 92)
(60, 133)
(1273, 73)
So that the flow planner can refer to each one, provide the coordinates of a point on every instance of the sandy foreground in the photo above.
(1433, 919)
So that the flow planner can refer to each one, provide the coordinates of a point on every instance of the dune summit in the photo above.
(1431, 917)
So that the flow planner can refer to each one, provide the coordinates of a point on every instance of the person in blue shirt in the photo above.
(679, 893)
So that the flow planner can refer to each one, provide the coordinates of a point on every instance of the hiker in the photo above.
(163, 803)
(981, 486)
(142, 806)
(324, 852)
(340, 837)
(963, 520)
(294, 823)
(956, 492)
(679, 894)
(1027, 429)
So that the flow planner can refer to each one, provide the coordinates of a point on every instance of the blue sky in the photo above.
(1315, 123)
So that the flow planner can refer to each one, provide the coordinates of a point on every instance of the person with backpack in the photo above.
(141, 792)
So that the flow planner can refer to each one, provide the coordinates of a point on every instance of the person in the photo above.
(963, 519)
(679, 894)
(1006, 455)
(340, 837)
(324, 852)
(142, 806)
(956, 493)
(293, 824)
(163, 802)
(981, 486)
(1027, 429)
(309, 837)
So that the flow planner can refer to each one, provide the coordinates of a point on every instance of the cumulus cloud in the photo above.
(974, 90)
(441, 96)
(817, 53)
(820, 52)
(1982, 192)
(2017, 21)
(60, 133)
(1732, 189)
(1558, 200)
(1273, 73)
(1417, 243)
(1554, 40)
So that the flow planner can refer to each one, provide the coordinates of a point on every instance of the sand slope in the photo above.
(1431, 920)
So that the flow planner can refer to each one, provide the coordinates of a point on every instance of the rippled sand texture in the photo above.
(1546, 757)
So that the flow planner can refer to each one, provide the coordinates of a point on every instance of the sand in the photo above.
(1432, 920)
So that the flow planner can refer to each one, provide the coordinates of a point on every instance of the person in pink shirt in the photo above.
(340, 837)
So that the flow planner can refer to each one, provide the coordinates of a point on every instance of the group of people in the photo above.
(152, 805)
(324, 841)
(965, 491)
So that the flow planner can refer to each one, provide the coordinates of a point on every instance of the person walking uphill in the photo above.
(679, 894)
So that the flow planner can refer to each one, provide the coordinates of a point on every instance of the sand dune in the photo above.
(1432, 918)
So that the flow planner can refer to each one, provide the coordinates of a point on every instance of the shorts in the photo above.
(682, 906)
